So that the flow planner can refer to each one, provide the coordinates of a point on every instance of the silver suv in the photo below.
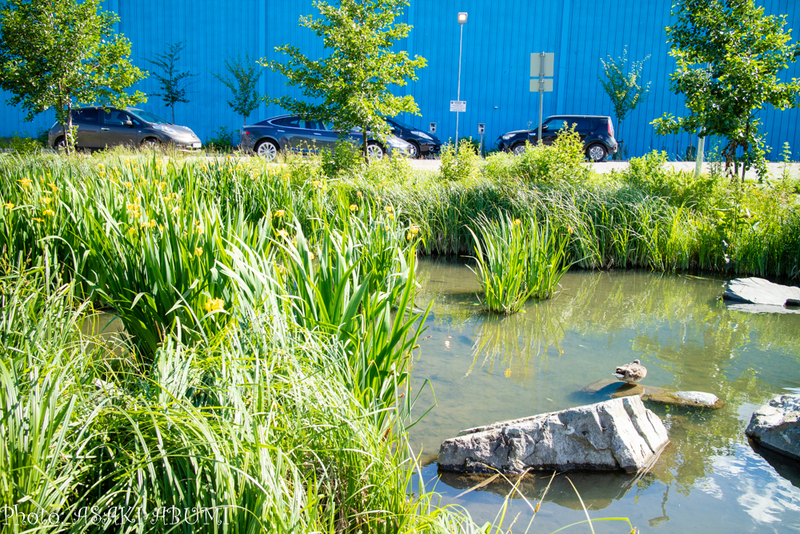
(101, 127)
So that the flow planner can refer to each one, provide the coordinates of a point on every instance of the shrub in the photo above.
(395, 169)
(344, 159)
(560, 162)
(23, 144)
(500, 166)
(650, 174)
(461, 166)
(222, 140)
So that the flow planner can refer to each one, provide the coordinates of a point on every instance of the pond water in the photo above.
(476, 368)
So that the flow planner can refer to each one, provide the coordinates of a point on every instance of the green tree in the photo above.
(729, 55)
(172, 82)
(241, 78)
(350, 87)
(55, 53)
(624, 88)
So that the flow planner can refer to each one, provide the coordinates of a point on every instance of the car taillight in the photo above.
(610, 128)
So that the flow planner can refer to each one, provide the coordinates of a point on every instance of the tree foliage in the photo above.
(172, 82)
(55, 53)
(350, 87)
(241, 78)
(729, 55)
(624, 88)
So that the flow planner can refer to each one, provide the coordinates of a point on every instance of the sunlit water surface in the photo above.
(476, 368)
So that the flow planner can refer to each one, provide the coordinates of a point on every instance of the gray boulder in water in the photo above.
(759, 295)
(619, 434)
(776, 425)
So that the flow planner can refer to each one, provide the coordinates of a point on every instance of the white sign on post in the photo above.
(547, 85)
(459, 106)
(536, 64)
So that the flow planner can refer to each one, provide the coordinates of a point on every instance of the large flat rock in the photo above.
(761, 296)
(618, 434)
(776, 425)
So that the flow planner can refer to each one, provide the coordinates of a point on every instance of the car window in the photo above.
(86, 116)
(292, 122)
(115, 117)
(583, 125)
(312, 125)
(556, 124)
(146, 116)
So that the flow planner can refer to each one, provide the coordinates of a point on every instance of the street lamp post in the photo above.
(462, 19)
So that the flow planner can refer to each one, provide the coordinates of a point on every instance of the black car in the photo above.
(101, 127)
(286, 132)
(424, 144)
(596, 131)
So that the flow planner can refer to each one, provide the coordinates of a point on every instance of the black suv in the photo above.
(596, 131)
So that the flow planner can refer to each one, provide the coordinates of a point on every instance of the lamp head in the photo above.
(462, 17)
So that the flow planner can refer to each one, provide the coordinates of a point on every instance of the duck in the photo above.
(631, 372)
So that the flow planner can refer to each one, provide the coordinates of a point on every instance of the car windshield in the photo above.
(146, 116)
(402, 124)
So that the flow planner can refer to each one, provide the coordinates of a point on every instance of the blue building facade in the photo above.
(498, 39)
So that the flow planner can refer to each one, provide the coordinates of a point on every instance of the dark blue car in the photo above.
(286, 132)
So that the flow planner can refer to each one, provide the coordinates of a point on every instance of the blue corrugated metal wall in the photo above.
(498, 40)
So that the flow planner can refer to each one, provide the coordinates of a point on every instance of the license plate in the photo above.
(196, 145)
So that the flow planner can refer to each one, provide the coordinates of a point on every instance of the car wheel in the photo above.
(375, 151)
(59, 144)
(150, 143)
(596, 153)
(518, 149)
(414, 151)
(266, 149)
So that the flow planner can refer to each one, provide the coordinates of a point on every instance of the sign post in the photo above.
(542, 66)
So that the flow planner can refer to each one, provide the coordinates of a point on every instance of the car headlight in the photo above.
(165, 129)
(508, 136)
(422, 135)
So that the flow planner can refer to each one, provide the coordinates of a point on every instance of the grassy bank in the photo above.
(270, 309)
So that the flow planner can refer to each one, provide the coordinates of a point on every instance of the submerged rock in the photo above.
(776, 425)
(759, 295)
(690, 399)
(611, 435)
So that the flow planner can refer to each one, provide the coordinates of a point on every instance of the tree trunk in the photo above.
(364, 143)
(68, 141)
(746, 145)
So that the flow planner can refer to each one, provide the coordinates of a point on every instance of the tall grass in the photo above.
(501, 261)
(517, 260)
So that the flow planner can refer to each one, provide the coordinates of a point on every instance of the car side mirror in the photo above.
(128, 123)
(544, 127)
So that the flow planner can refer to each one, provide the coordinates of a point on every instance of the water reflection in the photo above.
(596, 490)
(485, 368)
